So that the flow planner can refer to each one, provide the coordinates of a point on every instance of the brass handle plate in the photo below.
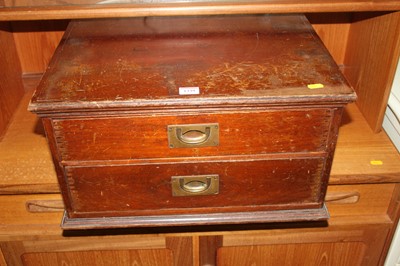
(193, 135)
(195, 185)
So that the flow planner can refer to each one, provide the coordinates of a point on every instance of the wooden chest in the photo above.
(192, 120)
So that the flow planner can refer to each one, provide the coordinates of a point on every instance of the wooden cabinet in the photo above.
(350, 245)
(347, 240)
(364, 187)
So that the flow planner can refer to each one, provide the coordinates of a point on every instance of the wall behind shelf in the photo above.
(11, 88)
(36, 42)
(373, 46)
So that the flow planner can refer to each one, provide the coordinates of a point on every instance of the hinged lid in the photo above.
(182, 62)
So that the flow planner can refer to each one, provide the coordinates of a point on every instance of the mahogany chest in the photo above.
(191, 120)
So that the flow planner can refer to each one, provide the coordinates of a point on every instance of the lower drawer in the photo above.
(208, 187)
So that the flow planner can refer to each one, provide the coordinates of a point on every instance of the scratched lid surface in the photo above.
(173, 62)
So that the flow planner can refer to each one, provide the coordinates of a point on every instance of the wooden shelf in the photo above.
(70, 9)
(362, 156)
(25, 161)
(362, 198)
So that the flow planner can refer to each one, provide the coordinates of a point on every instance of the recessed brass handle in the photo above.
(195, 185)
(193, 135)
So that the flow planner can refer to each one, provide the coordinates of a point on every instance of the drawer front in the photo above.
(147, 189)
(367, 200)
(119, 138)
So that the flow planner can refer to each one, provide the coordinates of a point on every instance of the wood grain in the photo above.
(125, 250)
(253, 74)
(358, 148)
(248, 217)
(36, 42)
(373, 200)
(333, 245)
(154, 257)
(234, 60)
(370, 64)
(182, 250)
(44, 206)
(11, 87)
(345, 254)
(31, 170)
(61, 10)
(242, 132)
(25, 162)
(333, 29)
(2, 260)
(208, 249)
(12, 252)
(13, 211)
(394, 214)
(269, 185)
(47, 243)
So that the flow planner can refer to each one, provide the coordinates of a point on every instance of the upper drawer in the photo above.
(240, 133)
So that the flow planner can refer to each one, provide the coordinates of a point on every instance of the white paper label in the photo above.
(189, 90)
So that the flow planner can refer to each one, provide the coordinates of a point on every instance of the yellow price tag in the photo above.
(376, 162)
(315, 86)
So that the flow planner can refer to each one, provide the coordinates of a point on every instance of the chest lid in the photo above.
(182, 62)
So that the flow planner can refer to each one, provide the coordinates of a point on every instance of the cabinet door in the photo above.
(2, 260)
(294, 254)
(146, 250)
(151, 257)
(335, 245)
(30, 235)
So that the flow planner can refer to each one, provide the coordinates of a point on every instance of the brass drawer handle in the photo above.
(195, 185)
(193, 135)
